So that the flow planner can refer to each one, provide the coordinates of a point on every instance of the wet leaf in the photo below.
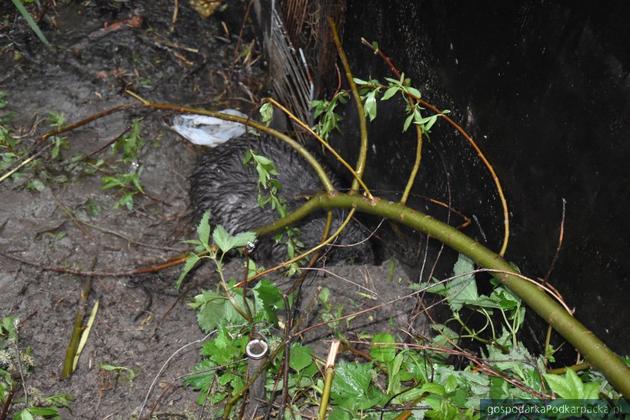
(352, 386)
(390, 92)
(383, 348)
(301, 357)
(191, 262)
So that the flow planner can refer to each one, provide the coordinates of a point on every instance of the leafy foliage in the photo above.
(127, 182)
(324, 112)
(371, 89)
(268, 188)
(130, 145)
(424, 381)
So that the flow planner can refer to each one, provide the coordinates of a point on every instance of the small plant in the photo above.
(128, 147)
(267, 182)
(324, 112)
(128, 183)
(57, 120)
(266, 113)
(227, 311)
(128, 373)
(16, 364)
(371, 89)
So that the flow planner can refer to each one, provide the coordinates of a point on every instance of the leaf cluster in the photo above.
(127, 182)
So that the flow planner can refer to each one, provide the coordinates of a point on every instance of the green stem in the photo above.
(591, 347)
(330, 374)
(362, 159)
(416, 166)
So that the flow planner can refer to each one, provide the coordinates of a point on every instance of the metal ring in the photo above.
(256, 349)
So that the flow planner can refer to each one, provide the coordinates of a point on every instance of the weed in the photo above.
(127, 148)
(57, 120)
(128, 373)
(268, 188)
(16, 365)
(130, 145)
(324, 112)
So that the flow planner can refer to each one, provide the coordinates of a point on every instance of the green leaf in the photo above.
(191, 262)
(222, 238)
(131, 143)
(339, 414)
(395, 82)
(390, 92)
(24, 414)
(243, 239)
(126, 201)
(31, 22)
(203, 229)
(269, 298)
(413, 91)
(407, 123)
(202, 376)
(383, 348)
(462, 289)
(570, 386)
(394, 376)
(427, 122)
(415, 393)
(225, 348)
(130, 373)
(266, 113)
(324, 295)
(211, 310)
(505, 299)
(352, 386)
(56, 119)
(370, 105)
(36, 185)
(301, 357)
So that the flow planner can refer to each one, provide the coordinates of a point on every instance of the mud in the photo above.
(72, 222)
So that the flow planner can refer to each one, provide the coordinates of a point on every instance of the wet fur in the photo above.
(222, 184)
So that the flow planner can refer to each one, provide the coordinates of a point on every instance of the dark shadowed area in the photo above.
(544, 88)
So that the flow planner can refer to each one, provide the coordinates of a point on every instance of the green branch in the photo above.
(591, 347)
(362, 158)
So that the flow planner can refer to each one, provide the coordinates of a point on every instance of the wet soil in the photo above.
(73, 223)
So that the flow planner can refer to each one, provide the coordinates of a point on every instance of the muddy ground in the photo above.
(73, 223)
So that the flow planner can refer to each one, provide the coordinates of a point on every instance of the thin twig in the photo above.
(323, 142)
(560, 240)
(467, 137)
(34, 154)
(306, 253)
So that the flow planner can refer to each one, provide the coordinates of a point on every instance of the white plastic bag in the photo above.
(208, 131)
